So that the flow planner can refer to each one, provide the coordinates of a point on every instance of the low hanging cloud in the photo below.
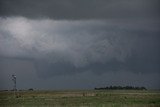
(65, 47)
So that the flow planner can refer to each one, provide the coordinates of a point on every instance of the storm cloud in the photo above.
(80, 9)
(64, 47)
(66, 40)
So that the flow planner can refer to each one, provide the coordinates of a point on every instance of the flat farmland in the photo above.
(81, 98)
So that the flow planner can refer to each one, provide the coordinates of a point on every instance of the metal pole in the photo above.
(14, 87)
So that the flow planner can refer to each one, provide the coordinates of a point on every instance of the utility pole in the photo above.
(14, 86)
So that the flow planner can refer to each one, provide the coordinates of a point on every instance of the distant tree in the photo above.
(30, 89)
(120, 88)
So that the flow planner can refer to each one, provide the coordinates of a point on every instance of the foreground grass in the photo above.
(109, 98)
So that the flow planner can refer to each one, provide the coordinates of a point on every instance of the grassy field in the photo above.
(87, 98)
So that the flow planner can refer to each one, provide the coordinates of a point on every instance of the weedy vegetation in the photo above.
(81, 98)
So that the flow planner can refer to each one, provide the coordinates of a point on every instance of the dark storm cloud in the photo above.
(69, 47)
(80, 9)
(61, 39)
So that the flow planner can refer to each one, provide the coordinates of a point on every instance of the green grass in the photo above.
(87, 98)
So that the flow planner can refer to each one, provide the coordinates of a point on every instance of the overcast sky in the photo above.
(79, 44)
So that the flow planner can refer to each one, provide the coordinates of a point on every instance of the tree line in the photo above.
(121, 88)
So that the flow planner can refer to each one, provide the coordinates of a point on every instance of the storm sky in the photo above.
(79, 44)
